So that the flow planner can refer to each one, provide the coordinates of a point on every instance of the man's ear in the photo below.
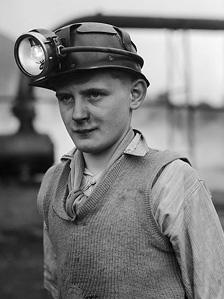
(138, 93)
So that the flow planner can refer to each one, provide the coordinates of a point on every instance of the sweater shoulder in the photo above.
(157, 156)
(158, 160)
(46, 185)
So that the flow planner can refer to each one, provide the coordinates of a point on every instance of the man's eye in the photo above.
(94, 95)
(66, 99)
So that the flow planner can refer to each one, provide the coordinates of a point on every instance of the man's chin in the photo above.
(86, 147)
(90, 148)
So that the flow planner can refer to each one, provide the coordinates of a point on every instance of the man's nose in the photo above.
(80, 110)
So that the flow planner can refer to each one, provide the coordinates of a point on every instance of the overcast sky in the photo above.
(19, 16)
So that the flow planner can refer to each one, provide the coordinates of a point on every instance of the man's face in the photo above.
(96, 110)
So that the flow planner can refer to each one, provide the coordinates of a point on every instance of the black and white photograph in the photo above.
(112, 149)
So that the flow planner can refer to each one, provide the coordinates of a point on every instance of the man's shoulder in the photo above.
(53, 170)
(58, 166)
(160, 158)
(48, 185)
(178, 175)
(51, 175)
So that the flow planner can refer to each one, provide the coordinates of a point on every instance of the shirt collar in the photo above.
(137, 147)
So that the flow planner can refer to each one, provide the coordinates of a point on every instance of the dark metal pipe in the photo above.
(153, 22)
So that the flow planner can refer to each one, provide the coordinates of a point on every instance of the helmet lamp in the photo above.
(35, 53)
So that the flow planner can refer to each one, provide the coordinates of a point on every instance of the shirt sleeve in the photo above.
(50, 268)
(185, 213)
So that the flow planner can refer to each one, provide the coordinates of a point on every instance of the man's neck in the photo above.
(98, 162)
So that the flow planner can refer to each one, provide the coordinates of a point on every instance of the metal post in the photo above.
(169, 86)
(190, 127)
(25, 153)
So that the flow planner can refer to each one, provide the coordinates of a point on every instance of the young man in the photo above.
(121, 220)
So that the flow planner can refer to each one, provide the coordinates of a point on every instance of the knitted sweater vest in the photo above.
(114, 248)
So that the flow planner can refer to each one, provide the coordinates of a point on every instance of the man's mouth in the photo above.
(83, 131)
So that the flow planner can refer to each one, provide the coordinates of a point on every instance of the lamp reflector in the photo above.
(31, 56)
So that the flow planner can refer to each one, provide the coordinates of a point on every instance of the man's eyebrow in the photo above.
(91, 89)
(84, 92)
(58, 94)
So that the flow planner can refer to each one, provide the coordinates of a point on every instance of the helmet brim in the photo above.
(51, 82)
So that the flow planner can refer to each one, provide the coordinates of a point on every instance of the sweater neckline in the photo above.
(96, 197)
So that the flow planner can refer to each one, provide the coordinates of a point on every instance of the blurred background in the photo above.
(183, 49)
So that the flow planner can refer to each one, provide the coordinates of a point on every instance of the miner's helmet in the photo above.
(46, 56)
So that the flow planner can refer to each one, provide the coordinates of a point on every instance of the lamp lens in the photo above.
(31, 56)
